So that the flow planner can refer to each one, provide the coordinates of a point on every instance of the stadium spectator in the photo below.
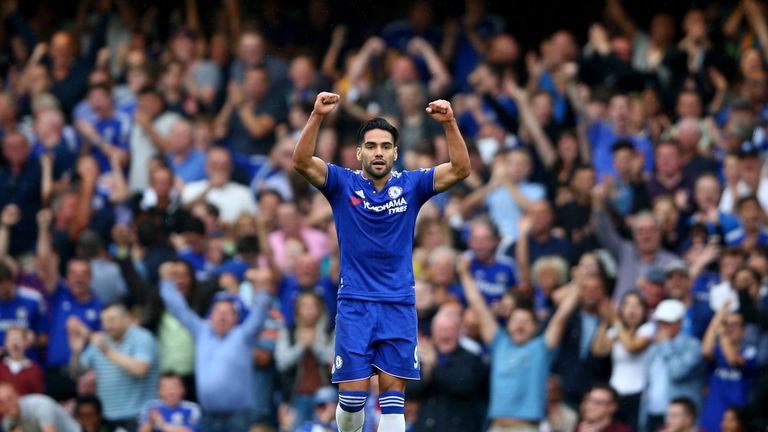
(17, 369)
(324, 419)
(124, 358)
(149, 135)
(626, 336)
(223, 368)
(20, 306)
(517, 395)
(230, 198)
(680, 417)
(734, 364)
(88, 413)
(597, 411)
(303, 355)
(34, 412)
(170, 410)
(673, 367)
(560, 417)
(451, 389)
(575, 362)
(495, 275)
(634, 257)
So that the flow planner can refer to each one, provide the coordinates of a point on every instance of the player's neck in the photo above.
(378, 184)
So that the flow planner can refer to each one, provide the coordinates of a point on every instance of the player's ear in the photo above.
(357, 153)
(395, 152)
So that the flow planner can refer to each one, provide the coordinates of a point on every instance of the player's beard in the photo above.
(375, 174)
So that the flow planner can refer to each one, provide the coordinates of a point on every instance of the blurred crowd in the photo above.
(163, 267)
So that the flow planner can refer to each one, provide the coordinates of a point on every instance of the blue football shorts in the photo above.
(372, 335)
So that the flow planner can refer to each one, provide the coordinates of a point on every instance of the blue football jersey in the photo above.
(185, 414)
(375, 231)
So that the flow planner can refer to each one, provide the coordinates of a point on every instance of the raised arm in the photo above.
(258, 314)
(305, 162)
(11, 215)
(88, 170)
(756, 19)
(458, 168)
(541, 142)
(606, 232)
(488, 324)
(440, 77)
(174, 301)
(615, 11)
(47, 270)
(554, 331)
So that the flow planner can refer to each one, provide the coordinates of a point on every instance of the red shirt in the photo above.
(26, 381)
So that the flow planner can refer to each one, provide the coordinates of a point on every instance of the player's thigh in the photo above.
(353, 352)
(395, 341)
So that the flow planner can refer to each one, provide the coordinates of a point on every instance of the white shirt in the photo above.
(143, 150)
(232, 199)
(728, 200)
(721, 292)
(628, 376)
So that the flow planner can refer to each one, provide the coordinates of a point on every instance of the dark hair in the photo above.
(267, 192)
(6, 272)
(687, 404)
(623, 144)
(607, 388)
(484, 220)
(89, 400)
(149, 90)
(742, 417)
(171, 375)
(88, 244)
(643, 303)
(192, 224)
(248, 245)
(117, 305)
(101, 86)
(746, 199)
(377, 123)
(669, 142)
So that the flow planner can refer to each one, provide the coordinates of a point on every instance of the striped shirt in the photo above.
(122, 394)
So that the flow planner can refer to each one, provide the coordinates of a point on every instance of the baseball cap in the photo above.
(655, 275)
(676, 266)
(327, 394)
(669, 311)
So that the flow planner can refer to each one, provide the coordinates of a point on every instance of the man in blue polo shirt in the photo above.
(69, 300)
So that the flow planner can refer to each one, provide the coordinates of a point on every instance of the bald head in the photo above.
(445, 331)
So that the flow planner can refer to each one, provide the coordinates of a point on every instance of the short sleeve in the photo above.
(612, 333)
(424, 181)
(647, 330)
(145, 410)
(144, 350)
(333, 180)
(193, 421)
(87, 357)
(45, 413)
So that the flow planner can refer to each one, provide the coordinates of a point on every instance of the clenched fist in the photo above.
(440, 110)
(325, 103)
